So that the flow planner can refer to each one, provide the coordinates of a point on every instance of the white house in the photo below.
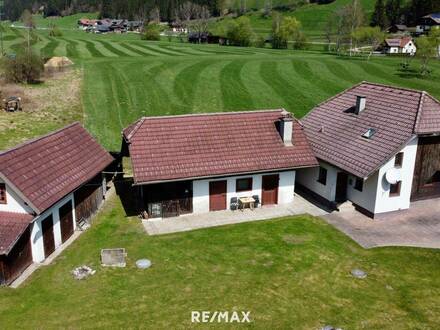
(403, 45)
(46, 186)
(208, 162)
(378, 147)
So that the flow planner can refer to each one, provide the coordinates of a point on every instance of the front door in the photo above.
(217, 195)
(66, 220)
(270, 189)
(341, 187)
(48, 237)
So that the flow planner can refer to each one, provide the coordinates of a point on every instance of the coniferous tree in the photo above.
(379, 17)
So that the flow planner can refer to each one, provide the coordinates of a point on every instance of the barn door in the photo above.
(217, 195)
(270, 189)
(48, 236)
(66, 221)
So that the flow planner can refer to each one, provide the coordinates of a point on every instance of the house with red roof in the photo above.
(402, 45)
(47, 187)
(378, 147)
(207, 162)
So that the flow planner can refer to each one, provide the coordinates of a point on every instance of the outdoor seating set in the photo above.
(240, 203)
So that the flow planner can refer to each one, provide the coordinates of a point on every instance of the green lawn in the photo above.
(289, 273)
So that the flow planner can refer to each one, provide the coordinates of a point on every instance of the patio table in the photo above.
(247, 201)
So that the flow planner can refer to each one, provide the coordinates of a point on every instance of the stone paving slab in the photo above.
(220, 218)
(417, 227)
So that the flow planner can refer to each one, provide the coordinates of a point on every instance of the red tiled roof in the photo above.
(397, 114)
(12, 226)
(190, 146)
(398, 42)
(48, 168)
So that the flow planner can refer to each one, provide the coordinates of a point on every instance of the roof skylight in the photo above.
(369, 133)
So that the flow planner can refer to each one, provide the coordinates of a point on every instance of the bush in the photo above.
(151, 32)
(300, 42)
(55, 31)
(239, 32)
(25, 67)
(259, 41)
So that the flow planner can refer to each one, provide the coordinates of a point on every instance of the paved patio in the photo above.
(220, 218)
(418, 227)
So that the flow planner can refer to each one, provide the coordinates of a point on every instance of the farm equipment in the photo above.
(12, 104)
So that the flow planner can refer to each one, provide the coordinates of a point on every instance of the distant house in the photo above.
(48, 186)
(378, 146)
(178, 28)
(205, 162)
(134, 26)
(398, 29)
(85, 23)
(428, 22)
(404, 45)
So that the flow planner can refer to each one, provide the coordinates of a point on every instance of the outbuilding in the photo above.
(47, 186)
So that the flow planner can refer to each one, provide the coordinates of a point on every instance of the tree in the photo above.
(379, 17)
(54, 31)
(426, 50)
(278, 41)
(370, 36)
(154, 15)
(25, 67)
(151, 32)
(200, 23)
(239, 32)
(393, 11)
(354, 17)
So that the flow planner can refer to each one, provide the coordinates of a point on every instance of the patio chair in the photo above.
(234, 203)
(257, 200)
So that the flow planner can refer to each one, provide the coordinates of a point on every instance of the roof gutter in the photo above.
(222, 175)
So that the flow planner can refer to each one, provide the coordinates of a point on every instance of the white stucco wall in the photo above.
(13, 202)
(387, 203)
(37, 234)
(201, 189)
(308, 177)
(375, 194)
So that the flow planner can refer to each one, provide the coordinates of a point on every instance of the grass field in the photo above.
(125, 77)
(289, 273)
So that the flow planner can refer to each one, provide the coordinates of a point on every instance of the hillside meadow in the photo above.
(125, 78)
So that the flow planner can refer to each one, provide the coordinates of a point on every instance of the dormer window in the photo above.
(2, 193)
(369, 133)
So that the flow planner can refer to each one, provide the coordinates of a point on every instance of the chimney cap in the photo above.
(286, 115)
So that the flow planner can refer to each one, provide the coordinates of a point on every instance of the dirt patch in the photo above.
(47, 106)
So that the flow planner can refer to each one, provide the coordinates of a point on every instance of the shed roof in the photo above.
(12, 226)
(46, 169)
(396, 114)
(205, 145)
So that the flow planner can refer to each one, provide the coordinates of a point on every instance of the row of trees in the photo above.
(390, 12)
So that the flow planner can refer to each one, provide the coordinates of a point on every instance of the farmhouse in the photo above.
(404, 45)
(378, 147)
(47, 186)
(427, 23)
(205, 162)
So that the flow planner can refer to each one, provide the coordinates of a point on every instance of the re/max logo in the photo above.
(220, 317)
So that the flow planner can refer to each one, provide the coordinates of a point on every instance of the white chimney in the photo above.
(286, 128)
(360, 104)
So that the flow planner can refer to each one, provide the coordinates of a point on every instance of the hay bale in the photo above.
(57, 63)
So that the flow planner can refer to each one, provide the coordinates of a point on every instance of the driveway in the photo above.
(418, 227)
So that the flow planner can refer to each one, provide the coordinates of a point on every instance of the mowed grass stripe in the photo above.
(91, 47)
(294, 100)
(340, 71)
(158, 50)
(258, 88)
(185, 82)
(71, 48)
(235, 95)
(134, 50)
(111, 48)
(315, 73)
(49, 49)
(185, 50)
